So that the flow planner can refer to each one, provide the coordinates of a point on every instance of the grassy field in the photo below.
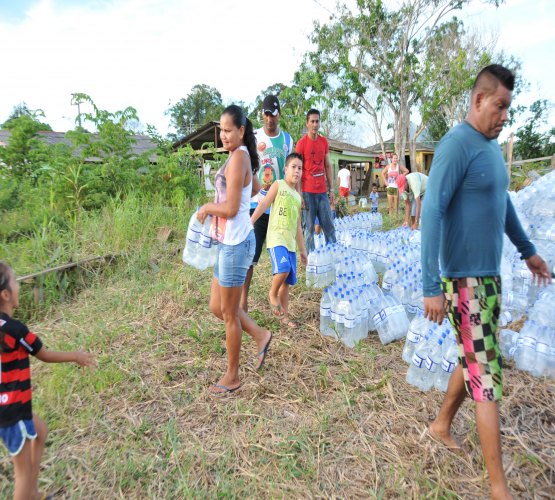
(320, 420)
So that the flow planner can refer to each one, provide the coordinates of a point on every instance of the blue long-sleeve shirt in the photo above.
(466, 210)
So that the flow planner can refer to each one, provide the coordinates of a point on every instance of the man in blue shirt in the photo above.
(466, 210)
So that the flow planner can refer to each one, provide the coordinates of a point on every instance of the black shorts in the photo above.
(260, 230)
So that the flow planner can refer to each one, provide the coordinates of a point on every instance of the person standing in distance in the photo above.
(345, 185)
(412, 195)
(315, 181)
(465, 212)
(273, 145)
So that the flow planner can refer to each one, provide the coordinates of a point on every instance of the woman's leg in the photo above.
(275, 300)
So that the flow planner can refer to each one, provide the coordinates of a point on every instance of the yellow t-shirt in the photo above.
(282, 226)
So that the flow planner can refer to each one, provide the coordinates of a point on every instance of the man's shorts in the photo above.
(234, 261)
(473, 309)
(374, 210)
(15, 435)
(284, 261)
(392, 191)
(260, 231)
(344, 192)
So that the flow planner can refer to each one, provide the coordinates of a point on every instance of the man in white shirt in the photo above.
(273, 146)
(344, 178)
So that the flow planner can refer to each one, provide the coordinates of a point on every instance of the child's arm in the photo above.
(80, 357)
(300, 242)
(265, 202)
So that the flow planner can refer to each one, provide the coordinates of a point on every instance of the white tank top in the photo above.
(234, 230)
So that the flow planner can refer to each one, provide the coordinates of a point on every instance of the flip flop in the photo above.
(277, 310)
(263, 352)
(289, 323)
(226, 390)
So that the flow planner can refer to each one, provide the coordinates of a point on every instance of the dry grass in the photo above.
(320, 420)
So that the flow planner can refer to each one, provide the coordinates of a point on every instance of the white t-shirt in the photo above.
(344, 175)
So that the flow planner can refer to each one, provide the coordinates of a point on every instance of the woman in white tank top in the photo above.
(390, 174)
(231, 226)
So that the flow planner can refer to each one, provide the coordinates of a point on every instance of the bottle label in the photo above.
(193, 235)
(542, 348)
(411, 309)
(413, 337)
(379, 317)
(386, 285)
(506, 316)
(417, 360)
(430, 365)
(350, 322)
(311, 268)
(447, 365)
(205, 240)
(325, 311)
(526, 342)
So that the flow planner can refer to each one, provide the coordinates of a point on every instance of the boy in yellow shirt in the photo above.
(284, 235)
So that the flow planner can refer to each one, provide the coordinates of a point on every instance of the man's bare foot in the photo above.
(444, 438)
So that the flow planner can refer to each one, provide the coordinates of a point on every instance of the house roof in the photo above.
(390, 147)
(210, 132)
(142, 143)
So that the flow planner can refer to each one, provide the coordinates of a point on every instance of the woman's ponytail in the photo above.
(250, 141)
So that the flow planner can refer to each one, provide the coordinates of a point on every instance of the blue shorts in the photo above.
(234, 261)
(284, 261)
(15, 435)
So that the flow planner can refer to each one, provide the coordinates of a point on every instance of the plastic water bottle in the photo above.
(190, 252)
(448, 365)
(325, 314)
(542, 352)
(507, 342)
(432, 363)
(525, 352)
(417, 368)
(311, 269)
(417, 329)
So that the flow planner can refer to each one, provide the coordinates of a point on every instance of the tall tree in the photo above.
(375, 48)
(22, 109)
(202, 104)
(531, 141)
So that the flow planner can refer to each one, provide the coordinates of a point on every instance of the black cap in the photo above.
(271, 105)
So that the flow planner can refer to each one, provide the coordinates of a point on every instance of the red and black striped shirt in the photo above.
(16, 343)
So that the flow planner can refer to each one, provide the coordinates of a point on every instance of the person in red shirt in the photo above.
(23, 433)
(316, 182)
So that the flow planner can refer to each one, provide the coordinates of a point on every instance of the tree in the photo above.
(374, 49)
(201, 105)
(531, 142)
(20, 110)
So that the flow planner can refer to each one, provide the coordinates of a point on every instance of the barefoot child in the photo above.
(283, 229)
(23, 433)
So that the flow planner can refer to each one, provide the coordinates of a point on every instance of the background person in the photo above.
(466, 211)
(284, 235)
(23, 432)
(412, 195)
(389, 175)
(273, 146)
(232, 227)
(374, 197)
(344, 181)
(315, 181)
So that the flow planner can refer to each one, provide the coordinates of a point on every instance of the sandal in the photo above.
(277, 310)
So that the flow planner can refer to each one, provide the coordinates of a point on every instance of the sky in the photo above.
(150, 53)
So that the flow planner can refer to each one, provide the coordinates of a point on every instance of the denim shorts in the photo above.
(234, 262)
(15, 435)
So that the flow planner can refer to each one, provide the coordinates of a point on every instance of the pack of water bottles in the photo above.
(432, 353)
(201, 251)
(533, 348)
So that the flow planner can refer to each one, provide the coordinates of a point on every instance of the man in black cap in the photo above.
(273, 147)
